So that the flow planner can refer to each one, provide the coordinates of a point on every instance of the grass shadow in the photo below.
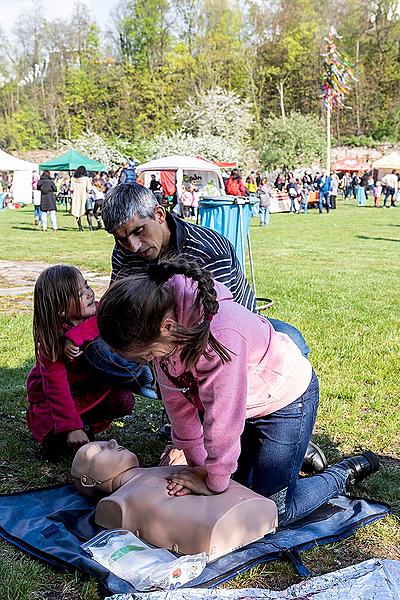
(380, 239)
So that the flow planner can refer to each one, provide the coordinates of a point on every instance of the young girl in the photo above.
(241, 397)
(63, 396)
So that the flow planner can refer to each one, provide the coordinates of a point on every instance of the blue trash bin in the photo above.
(229, 216)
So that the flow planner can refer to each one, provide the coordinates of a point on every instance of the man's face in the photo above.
(145, 237)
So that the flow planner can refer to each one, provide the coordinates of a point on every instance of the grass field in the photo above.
(334, 276)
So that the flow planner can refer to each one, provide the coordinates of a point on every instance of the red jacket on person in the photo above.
(235, 187)
(59, 392)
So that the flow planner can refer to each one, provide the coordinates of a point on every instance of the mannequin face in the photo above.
(103, 460)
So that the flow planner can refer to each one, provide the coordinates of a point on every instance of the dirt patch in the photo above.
(17, 280)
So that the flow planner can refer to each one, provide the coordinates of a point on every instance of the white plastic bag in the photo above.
(146, 568)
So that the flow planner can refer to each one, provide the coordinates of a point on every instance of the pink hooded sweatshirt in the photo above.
(267, 372)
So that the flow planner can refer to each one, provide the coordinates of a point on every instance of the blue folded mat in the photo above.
(52, 523)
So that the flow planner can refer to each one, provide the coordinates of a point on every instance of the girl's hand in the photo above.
(172, 456)
(71, 351)
(77, 438)
(190, 481)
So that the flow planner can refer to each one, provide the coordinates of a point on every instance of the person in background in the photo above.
(391, 184)
(377, 192)
(292, 192)
(364, 183)
(47, 191)
(346, 183)
(156, 188)
(333, 192)
(195, 201)
(264, 194)
(303, 198)
(234, 185)
(128, 172)
(186, 200)
(37, 217)
(99, 190)
(251, 184)
(81, 188)
(279, 182)
(323, 185)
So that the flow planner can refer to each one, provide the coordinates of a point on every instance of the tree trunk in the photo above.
(281, 98)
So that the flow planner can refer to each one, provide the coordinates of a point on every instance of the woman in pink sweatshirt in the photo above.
(241, 397)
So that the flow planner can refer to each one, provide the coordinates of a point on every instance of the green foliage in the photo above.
(295, 141)
(358, 141)
(25, 130)
(59, 79)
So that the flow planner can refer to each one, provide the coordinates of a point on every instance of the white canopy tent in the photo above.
(386, 164)
(185, 167)
(22, 179)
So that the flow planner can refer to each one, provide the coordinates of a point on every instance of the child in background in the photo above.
(241, 397)
(195, 200)
(377, 190)
(303, 198)
(63, 395)
(264, 193)
(186, 200)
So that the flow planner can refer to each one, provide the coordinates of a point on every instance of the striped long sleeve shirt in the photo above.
(208, 248)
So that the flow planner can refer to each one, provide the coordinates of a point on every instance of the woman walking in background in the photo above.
(47, 188)
(80, 187)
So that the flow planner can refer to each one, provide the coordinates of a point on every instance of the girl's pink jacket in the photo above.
(59, 392)
(267, 372)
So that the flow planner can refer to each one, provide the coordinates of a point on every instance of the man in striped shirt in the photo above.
(144, 231)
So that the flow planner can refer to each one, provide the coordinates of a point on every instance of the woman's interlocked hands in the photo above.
(190, 481)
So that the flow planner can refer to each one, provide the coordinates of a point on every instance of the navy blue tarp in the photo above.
(52, 523)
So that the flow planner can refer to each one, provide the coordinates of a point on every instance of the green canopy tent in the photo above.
(70, 161)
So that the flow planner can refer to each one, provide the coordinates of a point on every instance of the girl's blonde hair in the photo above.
(56, 292)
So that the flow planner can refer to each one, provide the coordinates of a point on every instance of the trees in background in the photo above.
(171, 73)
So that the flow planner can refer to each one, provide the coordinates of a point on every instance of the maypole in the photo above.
(335, 84)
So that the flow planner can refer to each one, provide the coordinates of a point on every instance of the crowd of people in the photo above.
(83, 194)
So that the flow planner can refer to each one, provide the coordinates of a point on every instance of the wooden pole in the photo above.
(328, 139)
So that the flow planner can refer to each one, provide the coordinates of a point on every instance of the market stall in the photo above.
(70, 161)
(22, 176)
(387, 164)
(351, 164)
(173, 171)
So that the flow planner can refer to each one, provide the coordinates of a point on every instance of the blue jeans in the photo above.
(117, 371)
(264, 215)
(293, 333)
(37, 213)
(321, 197)
(390, 192)
(303, 206)
(272, 452)
(292, 204)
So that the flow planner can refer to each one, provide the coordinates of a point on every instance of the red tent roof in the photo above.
(351, 163)
(222, 164)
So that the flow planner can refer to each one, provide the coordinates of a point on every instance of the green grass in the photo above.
(333, 276)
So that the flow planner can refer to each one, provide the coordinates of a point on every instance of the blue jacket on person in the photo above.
(128, 175)
(324, 186)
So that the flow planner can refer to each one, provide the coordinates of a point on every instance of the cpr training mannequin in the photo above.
(140, 502)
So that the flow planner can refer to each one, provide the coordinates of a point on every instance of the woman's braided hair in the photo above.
(132, 310)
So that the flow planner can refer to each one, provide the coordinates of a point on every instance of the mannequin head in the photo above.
(99, 466)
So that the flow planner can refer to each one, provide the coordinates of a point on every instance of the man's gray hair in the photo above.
(125, 201)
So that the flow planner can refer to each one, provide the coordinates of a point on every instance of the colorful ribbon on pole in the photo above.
(337, 74)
